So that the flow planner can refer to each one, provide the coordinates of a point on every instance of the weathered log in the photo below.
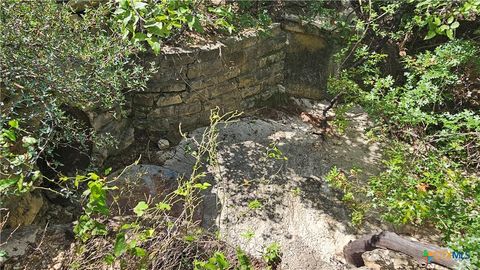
(353, 251)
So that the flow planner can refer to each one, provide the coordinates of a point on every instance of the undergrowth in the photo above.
(163, 233)
(419, 89)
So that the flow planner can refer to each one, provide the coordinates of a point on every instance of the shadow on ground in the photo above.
(259, 199)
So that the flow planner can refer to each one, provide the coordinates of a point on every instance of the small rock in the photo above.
(139, 182)
(163, 144)
(164, 156)
(24, 209)
(383, 259)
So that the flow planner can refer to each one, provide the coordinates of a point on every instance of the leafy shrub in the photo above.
(272, 255)
(155, 234)
(53, 59)
(424, 103)
(396, 64)
(217, 262)
(430, 189)
(154, 22)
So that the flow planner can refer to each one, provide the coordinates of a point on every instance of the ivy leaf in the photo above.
(97, 198)
(140, 208)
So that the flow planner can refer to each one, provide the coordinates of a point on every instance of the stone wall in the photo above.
(233, 74)
(308, 60)
(237, 73)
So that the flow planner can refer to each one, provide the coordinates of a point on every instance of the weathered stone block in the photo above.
(144, 99)
(167, 86)
(162, 112)
(227, 102)
(160, 123)
(180, 58)
(196, 70)
(247, 80)
(270, 71)
(250, 91)
(139, 115)
(169, 100)
(207, 53)
(188, 109)
(271, 59)
(250, 66)
(237, 43)
(271, 45)
(200, 119)
(174, 87)
(223, 88)
(236, 58)
(141, 109)
(209, 81)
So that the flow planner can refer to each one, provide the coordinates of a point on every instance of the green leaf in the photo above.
(455, 25)
(202, 186)
(221, 261)
(139, 37)
(97, 198)
(107, 171)
(13, 123)
(155, 46)
(430, 34)
(5, 183)
(158, 29)
(442, 28)
(164, 206)
(10, 134)
(20, 183)
(127, 226)
(139, 252)
(120, 246)
(449, 33)
(189, 238)
(109, 259)
(255, 204)
(139, 5)
(93, 176)
(140, 208)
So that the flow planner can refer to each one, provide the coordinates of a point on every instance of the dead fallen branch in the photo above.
(353, 251)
